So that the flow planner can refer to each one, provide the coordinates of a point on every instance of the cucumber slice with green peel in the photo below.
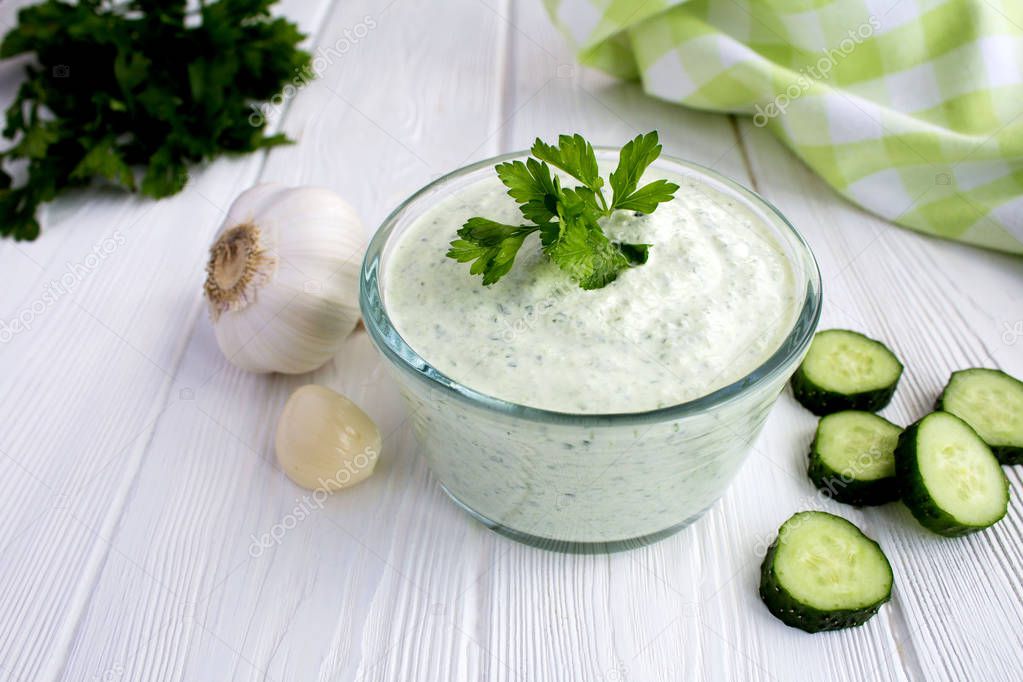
(852, 458)
(823, 573)
(991, 402)
(845, 370)
(949, 478)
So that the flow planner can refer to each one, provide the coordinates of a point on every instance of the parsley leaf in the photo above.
(586, 254)
(566, 218)
(646, 198)
(104, 161)
(575, 156)
(115, 87)
(532, 185)
(492, 247)
(634, 159)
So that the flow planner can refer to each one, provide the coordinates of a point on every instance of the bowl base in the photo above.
(567, 546)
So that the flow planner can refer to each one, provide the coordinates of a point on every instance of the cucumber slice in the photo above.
(852, 458)
(845, 370)
(949, 478)
(991, 402)
(823, 573)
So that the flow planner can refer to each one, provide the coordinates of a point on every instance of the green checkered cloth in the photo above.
(911, 108)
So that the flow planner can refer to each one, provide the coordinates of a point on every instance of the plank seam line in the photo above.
(904, 647)
(93, 569)
(316, 39)
(505, 78)
(898, 627)
(740, 142)
(617, 662)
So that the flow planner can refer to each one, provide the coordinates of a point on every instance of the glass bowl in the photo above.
(585, 482)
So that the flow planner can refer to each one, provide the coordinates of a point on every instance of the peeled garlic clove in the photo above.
(325, 441)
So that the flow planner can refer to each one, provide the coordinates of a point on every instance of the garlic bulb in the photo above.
(282, 281)
(324, 441)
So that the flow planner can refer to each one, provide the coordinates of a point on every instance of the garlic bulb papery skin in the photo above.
(282, 281)
(325, 441)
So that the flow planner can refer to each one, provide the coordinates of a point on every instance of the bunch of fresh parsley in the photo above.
(118, 84)
(567, 218)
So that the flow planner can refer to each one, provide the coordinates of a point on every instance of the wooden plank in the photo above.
(105, 302)
(941, 306)
(686, 607)
(352, 588)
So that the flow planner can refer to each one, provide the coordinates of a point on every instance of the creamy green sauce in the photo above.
(714, 301)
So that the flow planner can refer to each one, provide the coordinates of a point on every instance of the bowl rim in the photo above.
(393, 346)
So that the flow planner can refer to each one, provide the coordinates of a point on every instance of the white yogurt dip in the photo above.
(727, 284)
(715, 299)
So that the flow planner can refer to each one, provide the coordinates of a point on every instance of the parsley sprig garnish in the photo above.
(117, 87)
(566, 218)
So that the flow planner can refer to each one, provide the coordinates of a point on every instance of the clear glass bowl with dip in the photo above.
(588, 480)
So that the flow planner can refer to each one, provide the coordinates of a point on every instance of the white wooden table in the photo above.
(136, 470)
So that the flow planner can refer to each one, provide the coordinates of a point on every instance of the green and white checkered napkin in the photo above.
(911, 108)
